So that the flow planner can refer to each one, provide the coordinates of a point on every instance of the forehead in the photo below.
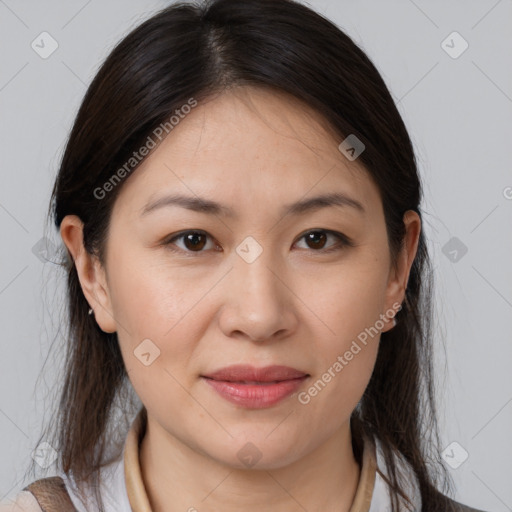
(251, 149)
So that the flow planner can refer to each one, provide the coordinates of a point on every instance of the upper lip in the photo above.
(240, 373)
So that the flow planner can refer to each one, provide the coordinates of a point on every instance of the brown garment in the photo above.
(51, 494)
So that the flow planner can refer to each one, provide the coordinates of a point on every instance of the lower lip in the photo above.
(255, 396)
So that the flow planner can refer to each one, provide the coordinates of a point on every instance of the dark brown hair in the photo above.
(195, 51)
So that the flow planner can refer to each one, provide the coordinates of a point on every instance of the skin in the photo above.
(252, 150)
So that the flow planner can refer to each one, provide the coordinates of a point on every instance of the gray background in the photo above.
(459, 115)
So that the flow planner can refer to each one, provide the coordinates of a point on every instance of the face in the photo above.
(192, 292)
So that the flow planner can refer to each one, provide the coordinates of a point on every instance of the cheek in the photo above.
(148, 297)
(344, 367)
(155, 301)
(349, 302)
(349, 310)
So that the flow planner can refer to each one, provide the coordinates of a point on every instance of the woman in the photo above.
(240, 204)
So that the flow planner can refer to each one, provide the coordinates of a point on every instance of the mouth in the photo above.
(255, 388)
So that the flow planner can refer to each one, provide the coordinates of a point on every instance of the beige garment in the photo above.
(140, 503)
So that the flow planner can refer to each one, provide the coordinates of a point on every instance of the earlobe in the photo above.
(90, 273)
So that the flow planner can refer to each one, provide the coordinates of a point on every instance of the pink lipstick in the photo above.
(255, 388)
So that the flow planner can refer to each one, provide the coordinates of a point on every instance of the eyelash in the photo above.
(344, 241)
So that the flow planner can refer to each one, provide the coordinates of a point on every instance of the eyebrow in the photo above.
(209, 207)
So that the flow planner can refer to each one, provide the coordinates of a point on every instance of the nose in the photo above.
(258, 300)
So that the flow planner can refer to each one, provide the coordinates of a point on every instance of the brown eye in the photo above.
(192, 241)
(317, 240)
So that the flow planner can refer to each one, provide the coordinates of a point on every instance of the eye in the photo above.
(316, 239)
(194, 241)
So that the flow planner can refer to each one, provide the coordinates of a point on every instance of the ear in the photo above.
(399, 276)
(90, 273)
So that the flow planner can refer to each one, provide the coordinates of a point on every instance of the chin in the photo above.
(256, 452)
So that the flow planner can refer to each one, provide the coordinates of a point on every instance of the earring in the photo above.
(90, 311)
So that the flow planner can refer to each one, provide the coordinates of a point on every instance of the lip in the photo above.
(255, 388)
(246, 372)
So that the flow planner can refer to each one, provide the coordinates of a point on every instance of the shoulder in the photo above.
(24, 501)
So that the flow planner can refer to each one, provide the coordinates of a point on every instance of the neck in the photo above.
(178, 478)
